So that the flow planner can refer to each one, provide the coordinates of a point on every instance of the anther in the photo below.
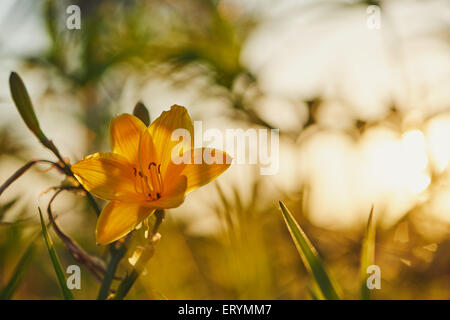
(155, 178)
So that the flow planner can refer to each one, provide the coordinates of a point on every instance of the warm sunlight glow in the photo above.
(419, 183)
(415, 161)
(438, 135)
(383, 168)
(414, 148)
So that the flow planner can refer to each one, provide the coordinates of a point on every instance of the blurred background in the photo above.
(364, 119)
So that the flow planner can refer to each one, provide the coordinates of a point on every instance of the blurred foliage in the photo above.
(120, 38)
(252, 256)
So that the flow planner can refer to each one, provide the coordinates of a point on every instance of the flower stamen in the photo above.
(155, 178)
(151, 184)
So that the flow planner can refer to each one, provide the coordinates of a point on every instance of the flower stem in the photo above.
(146, 254)
(117, 254)
(22, 170)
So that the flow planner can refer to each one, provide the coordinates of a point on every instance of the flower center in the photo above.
(149, 183)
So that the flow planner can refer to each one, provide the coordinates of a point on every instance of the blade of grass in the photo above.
(67, 294)
(19, 271)
(14, 282)
(367, 255)
(313, 292)
(309, 256)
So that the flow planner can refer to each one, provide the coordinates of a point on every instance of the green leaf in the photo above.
(19, 271)
(24, 106)
(309, 256)
(367, 255)
(141, 111)
(67, 294)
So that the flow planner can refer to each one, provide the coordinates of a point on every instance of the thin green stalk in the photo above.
(131, 278)
(116, 255)
(146, 254)
(66, 293)
(22, 170)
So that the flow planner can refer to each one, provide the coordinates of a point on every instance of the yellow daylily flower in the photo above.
(139, 176)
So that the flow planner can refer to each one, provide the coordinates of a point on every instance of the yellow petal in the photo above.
(205, 165)
(124, 133)
(173, 195)
(147, 151)
(118, 219)
(161, 131)
(108, 176)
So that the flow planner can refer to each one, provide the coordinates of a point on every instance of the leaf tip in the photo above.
(13, 76)
(141, 111)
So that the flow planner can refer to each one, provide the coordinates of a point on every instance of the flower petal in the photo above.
(161, 131)
(119, 218)
(205, 165)
(147, 151)
(173, 196)
(124, 133)
(108, 176)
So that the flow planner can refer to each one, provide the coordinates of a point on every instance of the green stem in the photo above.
(126, 285)
(116, 255)
(92, 201)
(131, 278)
(146, 254)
